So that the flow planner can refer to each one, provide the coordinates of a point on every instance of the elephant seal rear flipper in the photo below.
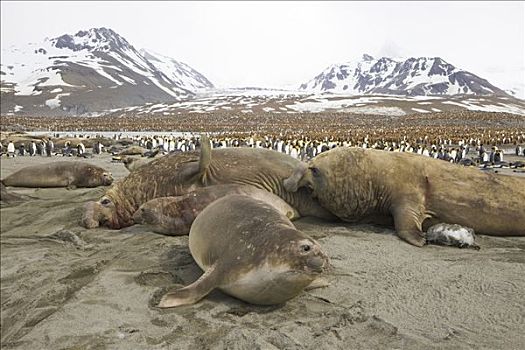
(204, 159)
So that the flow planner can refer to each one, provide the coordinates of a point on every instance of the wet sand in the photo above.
(65, 287)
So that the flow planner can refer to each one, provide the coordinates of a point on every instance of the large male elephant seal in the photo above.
(249, 250)
(60, 174)
(179, 173)
(174, 215)
(416, 191)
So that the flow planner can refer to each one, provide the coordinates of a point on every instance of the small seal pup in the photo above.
(174, 215)
(452, 235)
(60, 174)
(416, 192)
(251, 251)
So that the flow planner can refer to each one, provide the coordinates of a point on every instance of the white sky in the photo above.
(283, 44)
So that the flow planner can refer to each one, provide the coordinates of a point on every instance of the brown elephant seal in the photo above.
(416, 192)
(251, 251)
(174, 215)
(133, 151)
(177, 174)
(60, 174)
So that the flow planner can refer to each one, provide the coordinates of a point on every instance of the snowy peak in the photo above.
(178, 72)
(414, 77)
(94, 39)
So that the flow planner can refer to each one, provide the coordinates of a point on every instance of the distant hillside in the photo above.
(90, 71)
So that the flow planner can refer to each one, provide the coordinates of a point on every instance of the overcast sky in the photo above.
(277, 44)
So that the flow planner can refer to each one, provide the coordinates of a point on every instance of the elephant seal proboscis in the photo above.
(60, 174)
(452, 235)
(180, 173)
(251, 251)
(174, 215)
(415, 191)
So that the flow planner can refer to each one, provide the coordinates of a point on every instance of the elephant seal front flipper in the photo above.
(408, 219)
(194, 292)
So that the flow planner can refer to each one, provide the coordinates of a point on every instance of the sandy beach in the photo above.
(65, 287)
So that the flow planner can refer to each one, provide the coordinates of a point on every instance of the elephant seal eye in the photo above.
(315, 172)
(105, 201)
(306, 248)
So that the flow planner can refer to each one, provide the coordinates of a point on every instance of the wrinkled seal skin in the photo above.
(60, 174)
(180, 173)
(260, 168)
(249, 250)
(416, 192)
(171, 175)
(174, 215)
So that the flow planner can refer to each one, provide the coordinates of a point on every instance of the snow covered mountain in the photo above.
(178, 72)
(413, 77)
(90, 71)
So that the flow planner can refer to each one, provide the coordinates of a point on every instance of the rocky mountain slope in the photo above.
(420, 76)
(90, 71)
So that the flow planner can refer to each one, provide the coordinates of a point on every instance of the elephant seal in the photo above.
(60, 174)
(251, 251)
(174, 215)
(416, 192)
(177, 174)
(132, 151)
